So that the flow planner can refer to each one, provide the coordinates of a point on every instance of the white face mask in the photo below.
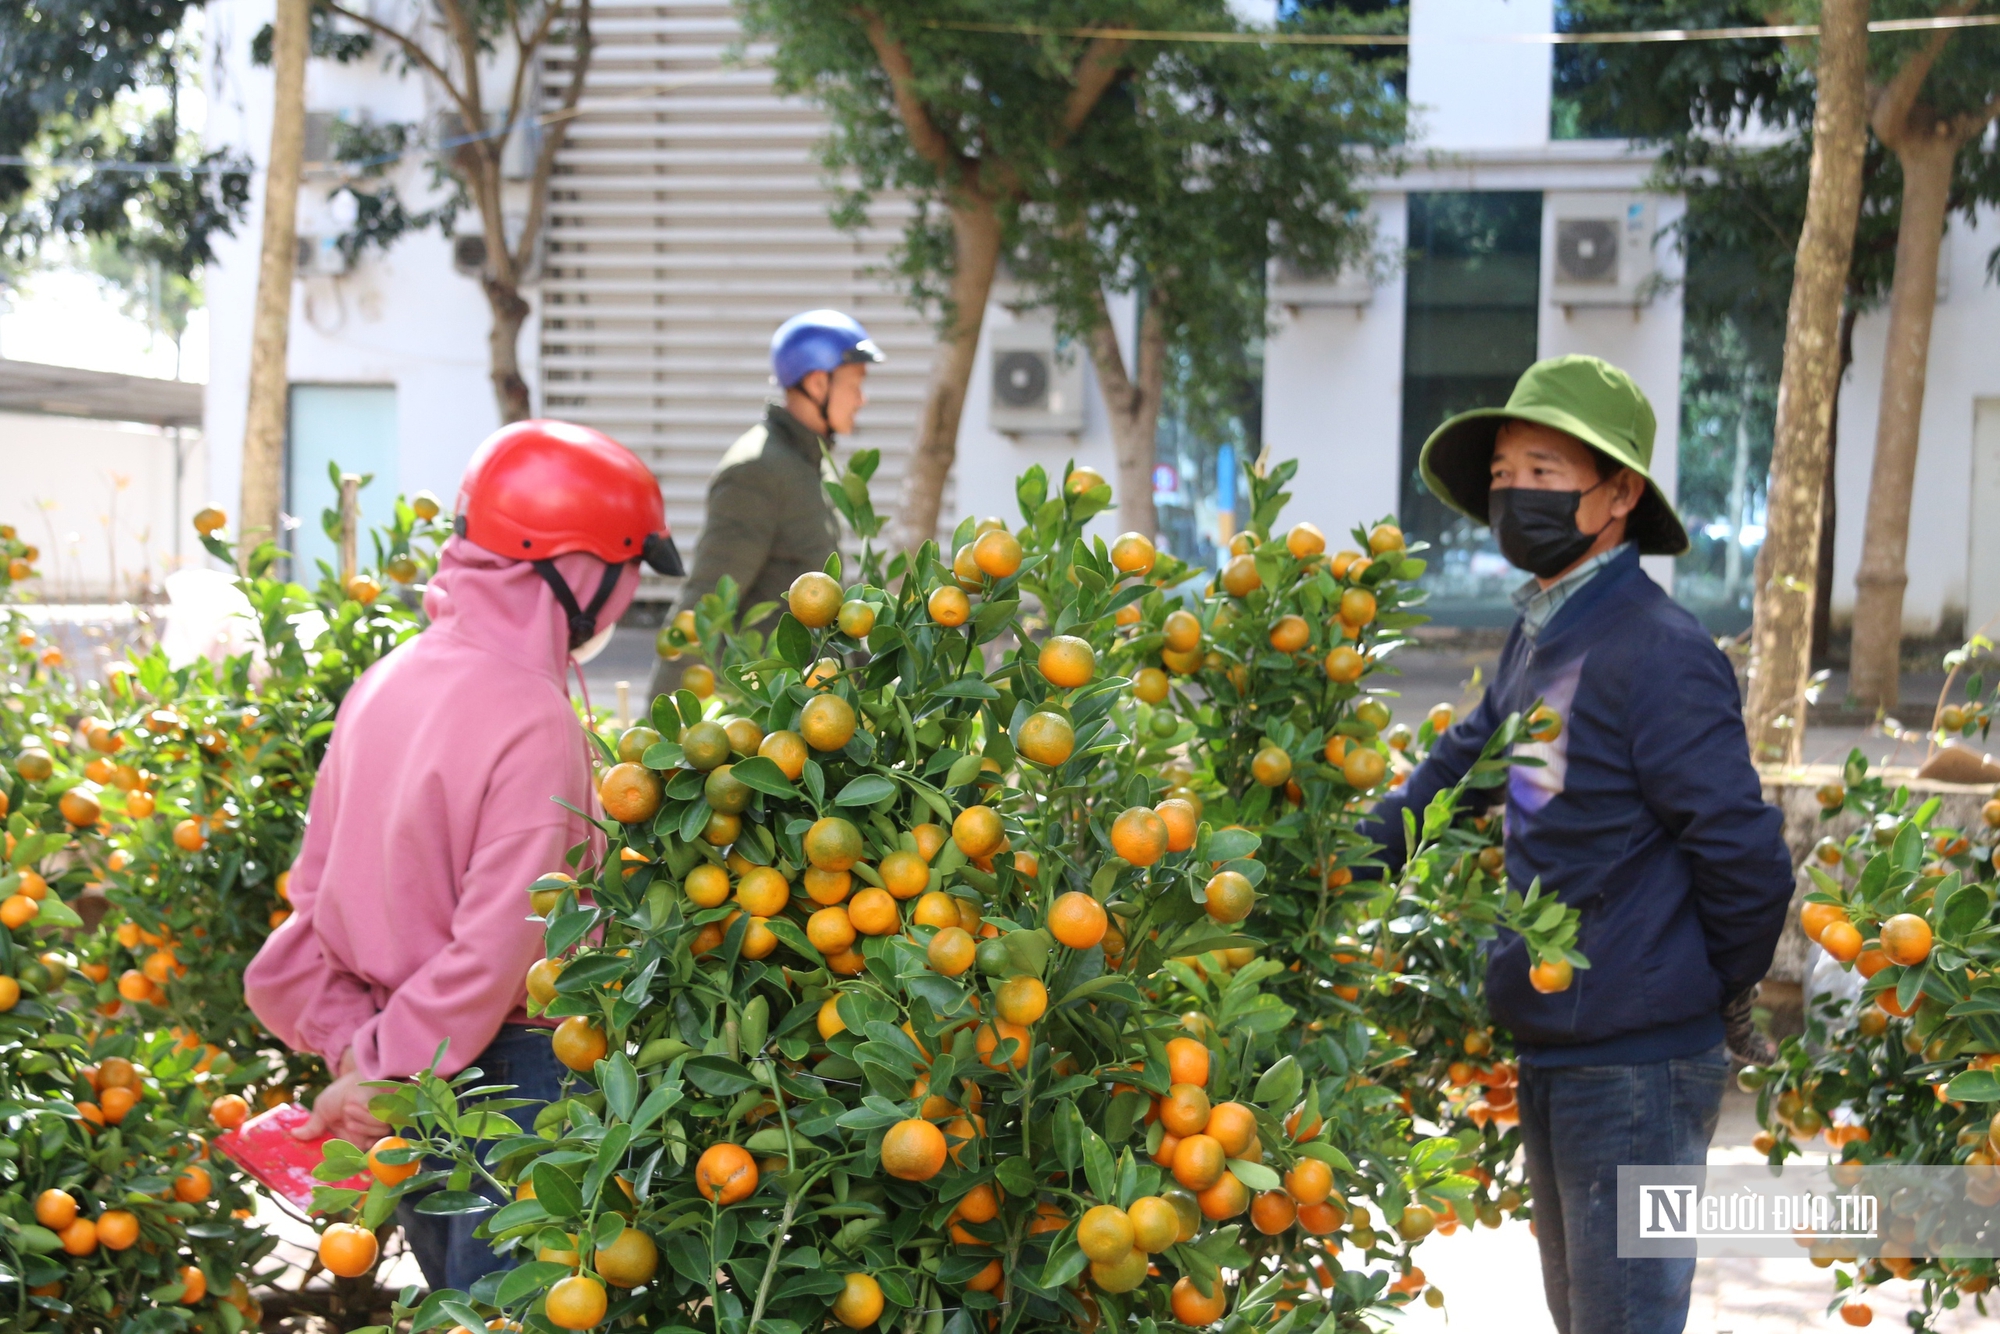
(592, 646)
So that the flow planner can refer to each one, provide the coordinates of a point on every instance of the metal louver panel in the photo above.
(687, 219)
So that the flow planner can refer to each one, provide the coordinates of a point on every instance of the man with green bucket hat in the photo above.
(1644, 814)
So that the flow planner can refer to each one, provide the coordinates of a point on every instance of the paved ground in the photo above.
(1494, 1277)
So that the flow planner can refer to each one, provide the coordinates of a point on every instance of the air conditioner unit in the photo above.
(1603, 251)
(321, 257)
(469, 255)
(1285, 284)
(1037, 388)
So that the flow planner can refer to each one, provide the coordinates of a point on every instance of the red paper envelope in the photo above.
(263, 1146)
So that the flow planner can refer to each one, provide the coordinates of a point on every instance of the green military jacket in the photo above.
(768, 521)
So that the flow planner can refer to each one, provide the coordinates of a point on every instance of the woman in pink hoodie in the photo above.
(439, 801)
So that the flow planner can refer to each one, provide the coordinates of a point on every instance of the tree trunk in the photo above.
(975, 229)
(1134, 408)
(503, 345)
(264, 420)
(1822, 621)
(1875, 675)
(1781, 647)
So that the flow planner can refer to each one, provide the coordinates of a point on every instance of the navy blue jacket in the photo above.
(1646, 816)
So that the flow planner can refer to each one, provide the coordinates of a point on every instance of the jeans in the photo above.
(446, 1250)
(1578, 1125)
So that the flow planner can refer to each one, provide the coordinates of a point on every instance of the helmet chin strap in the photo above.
(582, 620)
(825, 420)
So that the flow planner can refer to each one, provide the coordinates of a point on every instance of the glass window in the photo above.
(1473, 291)
(349, 426)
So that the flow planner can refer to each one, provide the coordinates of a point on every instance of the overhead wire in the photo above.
(1253, 37)
(1263, 37)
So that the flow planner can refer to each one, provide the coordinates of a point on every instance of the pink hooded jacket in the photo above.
(434, 811)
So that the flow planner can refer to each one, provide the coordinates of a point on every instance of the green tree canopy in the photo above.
(1090, 163)
(68, 69)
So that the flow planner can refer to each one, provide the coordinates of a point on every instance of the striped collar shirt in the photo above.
(1537, 605)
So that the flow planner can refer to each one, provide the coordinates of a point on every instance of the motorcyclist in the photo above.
(768, 519)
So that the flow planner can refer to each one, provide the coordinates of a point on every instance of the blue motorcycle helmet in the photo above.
(819, 340)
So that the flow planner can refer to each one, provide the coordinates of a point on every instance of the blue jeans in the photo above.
(1578, 1125)
(446, 1250)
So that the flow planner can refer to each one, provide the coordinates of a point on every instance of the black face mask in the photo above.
(1537, 529)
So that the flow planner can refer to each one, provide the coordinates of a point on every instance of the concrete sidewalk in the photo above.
(1493, 1279)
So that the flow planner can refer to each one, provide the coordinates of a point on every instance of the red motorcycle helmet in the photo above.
(535, 490)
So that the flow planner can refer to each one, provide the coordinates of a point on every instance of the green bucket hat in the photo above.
(1590, 399)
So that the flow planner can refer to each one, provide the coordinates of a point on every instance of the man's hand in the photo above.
(341, 1110)
(1740, 1033)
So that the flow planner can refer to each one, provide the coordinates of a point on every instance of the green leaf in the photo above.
(1327, 1154)
(527, 1280)
(38, 1239)
(1103, 982)
(963, 771)
(1065, 1263)
(1255, 1175)
(620, 1083)
(521, 1213)
(1098, 1166)
(1279, 1086)
(1975, 1086)
(718, 1076)
(57, 913)
(559, 1195)
(762, 773)
(1226, 845)
(792, 642)
(865, 791)
(1068, 1128)
(452, 1202)
(484, 1125)
(1015, 1174)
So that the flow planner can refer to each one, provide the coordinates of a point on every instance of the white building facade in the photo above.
(690, 216)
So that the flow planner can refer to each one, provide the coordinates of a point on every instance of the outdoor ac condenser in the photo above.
(1037, 389)
(1603, 250)
(1288, 286)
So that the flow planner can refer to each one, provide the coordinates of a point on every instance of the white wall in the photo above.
(989, 461)
(1963, 368)
(1333, 396)
(1480, 94)
(63, 494)
(1645, 342)
(406, 318)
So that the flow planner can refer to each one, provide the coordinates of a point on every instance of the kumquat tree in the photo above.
(165, 804)
(110, 1203)
(908, 984)
(1902, 1064)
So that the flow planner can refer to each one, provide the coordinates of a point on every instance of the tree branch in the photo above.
(1898, 98)
(1110, 358)
(554, 131)
(526, 47)
(929, 141)
(467, 38)
(1095, 72)
(415, 52)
